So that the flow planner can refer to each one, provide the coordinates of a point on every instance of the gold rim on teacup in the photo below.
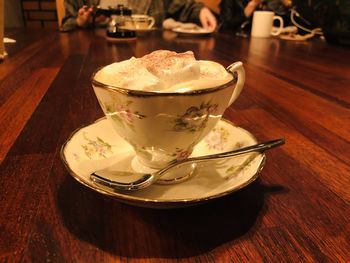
(144, 93)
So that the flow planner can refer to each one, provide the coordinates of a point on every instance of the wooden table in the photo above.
(297, 211)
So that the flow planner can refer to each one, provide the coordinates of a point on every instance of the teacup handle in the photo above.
(152, 22)
(279, 30)
(237, 67)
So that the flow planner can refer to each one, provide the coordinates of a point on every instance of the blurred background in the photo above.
(47, 13)
(333, 16)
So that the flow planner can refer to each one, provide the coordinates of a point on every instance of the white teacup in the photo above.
(263, 24)
(140, 22)
(165, 126)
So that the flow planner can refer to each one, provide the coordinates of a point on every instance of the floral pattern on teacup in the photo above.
(195, 118)
(217, 138)
(181, 154)
(96, 147)
(123, 114)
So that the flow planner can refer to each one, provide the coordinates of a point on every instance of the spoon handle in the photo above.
(259, 147)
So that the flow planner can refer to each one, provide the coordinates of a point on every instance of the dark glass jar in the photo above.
(116, 28)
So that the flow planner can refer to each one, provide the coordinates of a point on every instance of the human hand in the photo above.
(84, 16)
(207, 19)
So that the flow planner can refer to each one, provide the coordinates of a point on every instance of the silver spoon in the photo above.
(145, 180)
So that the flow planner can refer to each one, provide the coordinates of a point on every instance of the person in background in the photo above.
(236, 12)
(79, 13)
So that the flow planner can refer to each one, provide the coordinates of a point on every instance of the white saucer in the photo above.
(97, 146)
(192, 31)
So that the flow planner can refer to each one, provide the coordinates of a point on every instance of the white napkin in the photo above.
(9, 40)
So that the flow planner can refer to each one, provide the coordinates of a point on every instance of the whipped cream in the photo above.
(164, 71)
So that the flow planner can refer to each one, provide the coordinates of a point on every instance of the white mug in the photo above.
(140, 22)
(263, 24)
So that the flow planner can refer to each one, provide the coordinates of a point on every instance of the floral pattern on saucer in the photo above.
(96, 147)
(217, 138)
(234, 170)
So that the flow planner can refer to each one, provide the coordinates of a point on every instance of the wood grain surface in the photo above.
(297, 211)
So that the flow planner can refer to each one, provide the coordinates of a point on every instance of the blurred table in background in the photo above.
(298, 210)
